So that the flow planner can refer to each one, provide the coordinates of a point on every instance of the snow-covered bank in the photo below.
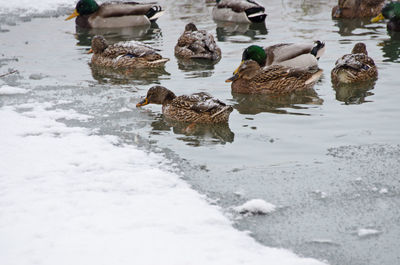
(69, 197)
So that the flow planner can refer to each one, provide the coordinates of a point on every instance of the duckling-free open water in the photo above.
(329, 160)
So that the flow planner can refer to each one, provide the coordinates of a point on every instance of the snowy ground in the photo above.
(68, 196)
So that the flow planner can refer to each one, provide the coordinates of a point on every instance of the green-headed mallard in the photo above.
(114, 14)
(128, 54)
(250, 78)
(197, 44)
(296, 55)
(196, 108)
(357, 8)
(239, 11)
(354, 67)
(390, 11)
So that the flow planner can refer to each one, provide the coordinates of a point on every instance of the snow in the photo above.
(255, 206)
(366, 232)
(70, 197)
(10, 90)
(34, 6)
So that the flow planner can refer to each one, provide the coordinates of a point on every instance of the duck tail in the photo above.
(155, 12)
(314, 78)
(256, 14)
(319, 49)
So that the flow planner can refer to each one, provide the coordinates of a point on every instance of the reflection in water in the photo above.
(112, 35)
(128, 76)
(347, 26)
(354, 93)
(391, 48)
(254, 104)
(195, 134)
(196, 67)
(228, 29)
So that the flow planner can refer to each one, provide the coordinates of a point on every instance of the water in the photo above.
(329, 160)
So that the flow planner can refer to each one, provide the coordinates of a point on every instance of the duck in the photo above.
(239, 11)
(196, 108)
(390, 11)
(303, 56)
(89, 14)
(357, 8)
(197, 44)
(127, 54)
(251, 78)
(354, 67)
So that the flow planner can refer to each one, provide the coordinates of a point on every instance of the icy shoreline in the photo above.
(69, 197)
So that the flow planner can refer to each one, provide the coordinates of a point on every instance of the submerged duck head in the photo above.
(359, 48)
(157, 95)
(390, 11)
(99, 44)
(84, 7)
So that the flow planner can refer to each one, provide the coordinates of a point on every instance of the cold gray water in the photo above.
(329, 160)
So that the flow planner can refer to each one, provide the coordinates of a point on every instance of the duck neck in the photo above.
(169, 96)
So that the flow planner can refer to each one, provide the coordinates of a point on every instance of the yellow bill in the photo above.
(232, 78)
(90, 51)
(142, 103)
(74, 14)
(237, 69)
(378, 18)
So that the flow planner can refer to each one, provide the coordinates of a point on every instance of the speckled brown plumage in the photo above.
(197, 44)
(354, 67)
(275, 79)
(131, 54)
(196, 108)
(357, 8)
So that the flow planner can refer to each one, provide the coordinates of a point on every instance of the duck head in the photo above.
(254, 53)
(99, 44)
(359, 48)
(389, 11)
(157, 95)
(247, 70)
(190, 27)
(84, 7)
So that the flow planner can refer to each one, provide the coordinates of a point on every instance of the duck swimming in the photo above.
(89, 14)
(390, 11)
(129, 54)
(239, 11)
(195, 108)
(354, 67)
(357, 8)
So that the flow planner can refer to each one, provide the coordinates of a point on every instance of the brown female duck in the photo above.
(354, 67)
(129, 54)
(357, 8)
(197, 44)
(196, 108)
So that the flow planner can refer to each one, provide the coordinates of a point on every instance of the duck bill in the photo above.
(74, 14)
(237, 69)
(142, 103)
(378, 18)
(232, 78)
(90, 51)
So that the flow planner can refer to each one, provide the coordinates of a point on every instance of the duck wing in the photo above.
(200, 43)
(119, 9)
(357, 61)
(241, 5)
(131, 48)
(286, 51)
(199, 102)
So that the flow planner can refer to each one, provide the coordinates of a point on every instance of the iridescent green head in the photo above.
(255, 53)
(391, 10)
(86, 7)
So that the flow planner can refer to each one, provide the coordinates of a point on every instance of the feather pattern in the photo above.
(130, 54)
(241, 11)
(194, 43)
(275, 79)
(354, 67)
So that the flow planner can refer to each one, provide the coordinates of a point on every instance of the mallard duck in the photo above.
(197, 44)
(302, 56)
(250, 78)
(196, 108)
(114, 14)
(357, 8)
(354, 67)
(128, 54)
(390, 11)
(239, 11)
